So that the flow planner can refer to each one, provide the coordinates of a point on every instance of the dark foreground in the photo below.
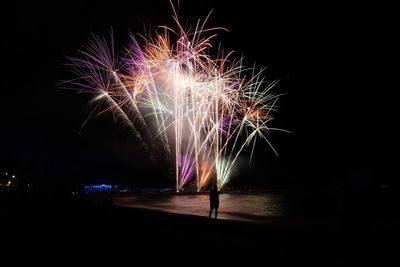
(84, 231)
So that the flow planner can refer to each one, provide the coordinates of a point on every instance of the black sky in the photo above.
(326, 56)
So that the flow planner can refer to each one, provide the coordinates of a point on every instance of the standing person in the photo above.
(214, 201)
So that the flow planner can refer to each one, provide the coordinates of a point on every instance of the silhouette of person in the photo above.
(214, 201)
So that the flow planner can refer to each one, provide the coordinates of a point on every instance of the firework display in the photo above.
(190, 105)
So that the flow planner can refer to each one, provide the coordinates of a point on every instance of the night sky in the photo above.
(326, 56)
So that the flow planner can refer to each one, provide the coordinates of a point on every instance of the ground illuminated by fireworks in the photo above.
(191, 106)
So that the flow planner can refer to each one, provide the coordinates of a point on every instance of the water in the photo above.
(238, 207)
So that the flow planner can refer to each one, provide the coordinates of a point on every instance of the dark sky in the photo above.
(326, 56)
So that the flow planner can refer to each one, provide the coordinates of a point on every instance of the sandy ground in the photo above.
(83, 233)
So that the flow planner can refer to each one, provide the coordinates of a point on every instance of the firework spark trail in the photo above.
(186, 107)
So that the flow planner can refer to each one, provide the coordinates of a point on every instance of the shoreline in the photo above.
(82, 232)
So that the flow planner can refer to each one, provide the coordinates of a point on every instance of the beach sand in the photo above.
(84, 233)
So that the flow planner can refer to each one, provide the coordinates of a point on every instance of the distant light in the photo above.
(9, 182)
(13, 176)
(102, 187)
(6, 173)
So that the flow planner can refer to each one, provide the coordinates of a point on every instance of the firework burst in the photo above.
(195, 111)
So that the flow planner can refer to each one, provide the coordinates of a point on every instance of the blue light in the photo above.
(94, 188)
